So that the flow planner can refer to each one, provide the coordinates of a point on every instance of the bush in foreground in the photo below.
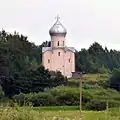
(35, 99)
(59, 96)
(69, 96)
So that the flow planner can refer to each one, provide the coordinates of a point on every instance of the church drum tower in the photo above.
(58, 57)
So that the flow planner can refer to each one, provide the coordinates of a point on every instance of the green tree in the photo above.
(115, 79)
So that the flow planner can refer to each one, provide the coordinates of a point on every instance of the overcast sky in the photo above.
(86, 20)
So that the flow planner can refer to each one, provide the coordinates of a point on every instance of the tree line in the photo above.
(21, 67)
(97, 59)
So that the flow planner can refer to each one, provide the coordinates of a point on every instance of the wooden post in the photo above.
(78, 75)
(80, 97)
(107, 110)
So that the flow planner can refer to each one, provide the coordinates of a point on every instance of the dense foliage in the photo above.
(20, 66)
(97, 59)
(69, 96)
(115, 79)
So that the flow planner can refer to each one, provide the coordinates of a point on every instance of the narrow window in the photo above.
(69, 60)
(58, 53)
(48, 60)
(63, 43)
(58, 43)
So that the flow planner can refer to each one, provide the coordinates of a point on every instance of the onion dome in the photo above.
(58, 29)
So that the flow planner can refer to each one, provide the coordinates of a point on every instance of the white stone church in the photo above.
(59, 57)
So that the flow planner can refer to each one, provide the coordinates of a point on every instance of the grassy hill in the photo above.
(95, 94)
(90, 79)
(93, 77)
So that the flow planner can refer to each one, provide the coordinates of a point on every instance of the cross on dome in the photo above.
(57, 17)
(58, 29)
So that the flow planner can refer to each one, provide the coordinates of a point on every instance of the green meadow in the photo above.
(56, 113)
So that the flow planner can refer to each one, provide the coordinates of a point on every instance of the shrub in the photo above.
(1, 92)
(88, 86)
(57, 96)
(103, 83)
(102, 97)
(63, 96)
(86, 96)
(115, 82)
(96, 105)
(42, 99)
(36, 99)
(69, 95)
(106, 94)
(113, 103)
(73, 83)
(66, 95)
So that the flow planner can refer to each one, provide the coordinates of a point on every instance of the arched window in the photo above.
(58, 53)
(69, 60)
(58, 43)
(48, 60)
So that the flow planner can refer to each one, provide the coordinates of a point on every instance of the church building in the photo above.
(59, 57)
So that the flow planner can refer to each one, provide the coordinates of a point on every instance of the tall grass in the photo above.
(29, 113)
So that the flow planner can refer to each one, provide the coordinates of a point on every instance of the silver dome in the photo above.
(58, 29)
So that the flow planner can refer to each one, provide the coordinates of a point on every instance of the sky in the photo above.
(86, 21)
